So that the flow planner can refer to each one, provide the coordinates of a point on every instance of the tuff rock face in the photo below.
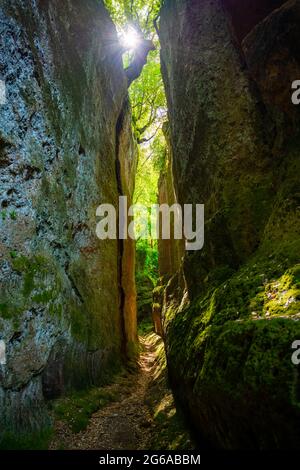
(231, 311)
(67, 299)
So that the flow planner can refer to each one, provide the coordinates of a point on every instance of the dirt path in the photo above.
(129, 423)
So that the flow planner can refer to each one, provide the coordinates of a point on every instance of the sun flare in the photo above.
(130, 38)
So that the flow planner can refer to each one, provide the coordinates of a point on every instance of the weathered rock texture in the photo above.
(67, 299)
(231, 312)
(171, 251)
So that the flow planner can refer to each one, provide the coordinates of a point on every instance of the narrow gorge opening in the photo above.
(138, 35)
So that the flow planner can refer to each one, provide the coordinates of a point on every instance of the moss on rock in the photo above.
(231, 312)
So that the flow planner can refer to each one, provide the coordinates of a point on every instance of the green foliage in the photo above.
(146, 249)
(141, 13)
(146, 276)
(147, 259)
(146, 180)
(147, 93)
(148, 103)
(146, 193)
(145, 327)
(77, 409)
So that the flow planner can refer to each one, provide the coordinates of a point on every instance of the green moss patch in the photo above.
(40, 284)
(33, 441)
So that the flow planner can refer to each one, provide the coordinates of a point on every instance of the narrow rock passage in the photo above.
(143, 415)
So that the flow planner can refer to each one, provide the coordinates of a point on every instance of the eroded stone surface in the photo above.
(60, 313)
(272, 54)
(230, 314)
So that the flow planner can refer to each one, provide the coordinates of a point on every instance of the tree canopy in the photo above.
(147, 94)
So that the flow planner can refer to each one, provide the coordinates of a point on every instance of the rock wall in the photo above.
(67, 310)
(231, 311)
(171, 251)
